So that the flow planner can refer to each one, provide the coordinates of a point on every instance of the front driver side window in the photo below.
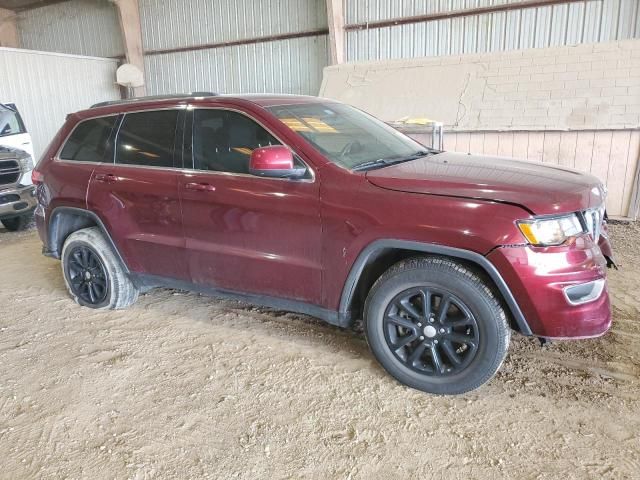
(223, 140)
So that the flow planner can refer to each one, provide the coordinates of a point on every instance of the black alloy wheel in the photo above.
(431, 331)
(87, 274)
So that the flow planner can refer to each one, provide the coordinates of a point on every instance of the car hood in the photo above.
(541, 189)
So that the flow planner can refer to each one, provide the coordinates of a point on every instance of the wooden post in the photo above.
(8, 29)
(129, 16)
(335, 17)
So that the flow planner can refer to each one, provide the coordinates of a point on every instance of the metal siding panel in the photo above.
(48, 86)
(79, 27)
(540, 27)
(361, 11)
(575, 23)
(295, 67)
(183, 23)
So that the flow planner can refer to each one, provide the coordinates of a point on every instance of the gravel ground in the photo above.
(186, 386)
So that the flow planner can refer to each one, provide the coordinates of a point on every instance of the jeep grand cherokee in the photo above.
(312, 206)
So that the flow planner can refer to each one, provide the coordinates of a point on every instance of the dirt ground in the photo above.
(185, 386)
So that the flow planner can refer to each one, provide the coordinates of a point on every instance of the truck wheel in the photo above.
(93, 273)
(17, 223)
(436, 326)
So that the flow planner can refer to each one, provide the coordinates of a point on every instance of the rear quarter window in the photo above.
(89, 141)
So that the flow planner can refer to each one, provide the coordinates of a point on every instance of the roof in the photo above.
(261, 99)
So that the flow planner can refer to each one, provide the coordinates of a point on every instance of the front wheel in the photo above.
(436, 326)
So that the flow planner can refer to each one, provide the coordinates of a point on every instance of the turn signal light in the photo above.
(36, 177)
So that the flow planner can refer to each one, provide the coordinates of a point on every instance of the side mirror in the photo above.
(274, 161)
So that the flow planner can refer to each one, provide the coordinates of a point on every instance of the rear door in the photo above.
(13, 132)
(136, 193)
(246, 233)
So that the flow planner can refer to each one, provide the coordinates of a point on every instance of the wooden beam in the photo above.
(467, 12)
(8, 29)
(335, 18)
(129, 15)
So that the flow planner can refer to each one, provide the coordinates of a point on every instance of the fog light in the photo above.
(585, 292)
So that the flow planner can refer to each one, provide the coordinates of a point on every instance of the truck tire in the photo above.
(93, 273)
(15, 224)
(435, 325)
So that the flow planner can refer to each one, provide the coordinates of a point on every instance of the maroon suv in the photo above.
(312, 206)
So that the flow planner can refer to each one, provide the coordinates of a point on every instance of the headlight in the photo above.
(551, 231)
(26, 164)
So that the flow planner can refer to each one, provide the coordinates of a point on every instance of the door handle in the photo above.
(200, 187)
(106, 177)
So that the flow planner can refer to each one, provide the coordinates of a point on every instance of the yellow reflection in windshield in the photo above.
(308, 124)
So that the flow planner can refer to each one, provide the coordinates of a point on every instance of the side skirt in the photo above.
(146, 282)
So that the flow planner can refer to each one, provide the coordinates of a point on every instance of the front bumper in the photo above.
(540, 278)
(17, 201)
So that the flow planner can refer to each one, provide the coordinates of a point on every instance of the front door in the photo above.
(246, 233)
(137, 197)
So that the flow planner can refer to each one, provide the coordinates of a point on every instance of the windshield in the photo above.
(346, 135)
(10, 121)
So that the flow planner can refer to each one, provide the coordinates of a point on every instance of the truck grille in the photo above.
(9, 172)
(593, 221)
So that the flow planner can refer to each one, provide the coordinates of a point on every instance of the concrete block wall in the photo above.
(588, 86)
(576, 87)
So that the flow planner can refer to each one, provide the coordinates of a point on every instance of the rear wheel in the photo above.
(17, 223)
(436, 326)
(93, 273)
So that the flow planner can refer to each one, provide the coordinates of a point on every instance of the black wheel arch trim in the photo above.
(348, 291)
(52, 233)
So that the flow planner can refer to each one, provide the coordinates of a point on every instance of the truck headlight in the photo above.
(544, 232)
(26, 164)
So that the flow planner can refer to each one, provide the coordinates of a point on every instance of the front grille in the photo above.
(9, 172)
(9, 198)
(593, 219)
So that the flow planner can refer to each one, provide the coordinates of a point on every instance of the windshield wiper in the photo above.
(385, 162)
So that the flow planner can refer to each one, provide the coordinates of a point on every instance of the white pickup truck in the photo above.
(17, 193)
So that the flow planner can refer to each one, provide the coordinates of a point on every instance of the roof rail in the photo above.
(155, 97)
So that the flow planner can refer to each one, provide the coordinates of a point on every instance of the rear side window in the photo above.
(10, 121)
(147, 138)
(89, 141)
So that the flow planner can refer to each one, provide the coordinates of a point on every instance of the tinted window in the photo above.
(10, 122)
(147, 138)
(89, 140)
(223, 140)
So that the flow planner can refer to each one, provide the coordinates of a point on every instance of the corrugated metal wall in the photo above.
(361, 11)
(80, 27)
(564, 24)
(287, 66)
(185, 23)
(291, 66)
(47, 86)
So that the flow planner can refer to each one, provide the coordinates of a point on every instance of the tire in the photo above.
(442, 353)
(15, 224)
(93, 274)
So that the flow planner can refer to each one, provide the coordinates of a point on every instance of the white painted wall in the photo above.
(47, 86)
